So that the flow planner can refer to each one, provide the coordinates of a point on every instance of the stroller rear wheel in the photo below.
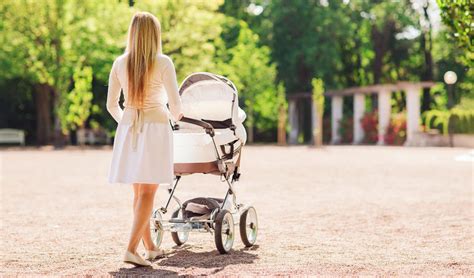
(249, 226)
(224, 231)
(156, 228)
(179, 237)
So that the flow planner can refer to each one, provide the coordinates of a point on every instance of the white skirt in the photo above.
(149, 161)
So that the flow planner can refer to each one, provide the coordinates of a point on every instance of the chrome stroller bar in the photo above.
(171, 195)
(207, 126)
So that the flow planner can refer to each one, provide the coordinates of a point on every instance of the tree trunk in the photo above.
(427, 74)
(381, 40)
(59, 139)
(43, 113)
(282, 117)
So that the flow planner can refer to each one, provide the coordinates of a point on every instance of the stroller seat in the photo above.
(194, 151)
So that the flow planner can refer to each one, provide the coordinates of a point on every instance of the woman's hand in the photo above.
(181, 115)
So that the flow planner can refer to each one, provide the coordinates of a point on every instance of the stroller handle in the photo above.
(207, 126)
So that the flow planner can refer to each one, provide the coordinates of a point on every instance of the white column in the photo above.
(385, 108)
(317, 124)
(336, 117)
(359, 109)
(413, 112)
(293, 119)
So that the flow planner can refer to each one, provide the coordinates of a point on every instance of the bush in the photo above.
(397, 130)
(370, 126)
(346, 129)
(461, 121)
(456, 120)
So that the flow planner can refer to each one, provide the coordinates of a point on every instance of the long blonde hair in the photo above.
(144, 43)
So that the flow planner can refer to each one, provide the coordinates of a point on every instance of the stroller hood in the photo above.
(211, 97)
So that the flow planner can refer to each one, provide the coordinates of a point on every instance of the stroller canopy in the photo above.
(212, 98)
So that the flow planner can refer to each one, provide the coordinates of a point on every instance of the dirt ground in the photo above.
(343, 210)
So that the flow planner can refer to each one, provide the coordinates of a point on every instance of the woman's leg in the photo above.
(142, 213)
(147, 241)
(136, 190)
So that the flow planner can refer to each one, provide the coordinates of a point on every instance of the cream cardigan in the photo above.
(163, 87)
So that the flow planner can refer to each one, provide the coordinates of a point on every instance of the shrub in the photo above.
(397, 130)
(456, 120)
(346, 128)
(369, 125)
(461, 121)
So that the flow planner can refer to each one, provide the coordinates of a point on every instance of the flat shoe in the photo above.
(153, 254)
(135, 260)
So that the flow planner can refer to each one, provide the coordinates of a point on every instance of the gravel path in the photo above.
(348, 210)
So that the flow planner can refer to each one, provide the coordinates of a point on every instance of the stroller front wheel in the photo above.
(249, 226)
(156, 228)
(179, 237)
(224, 231)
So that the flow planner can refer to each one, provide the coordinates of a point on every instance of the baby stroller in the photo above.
(208, 140)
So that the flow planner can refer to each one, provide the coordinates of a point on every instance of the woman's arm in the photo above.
(171, 87)
(113, 95)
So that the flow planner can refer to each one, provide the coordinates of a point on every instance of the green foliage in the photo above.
(268, 48)
(300, 45)
(336, 41)
(369, 124)
(458, 15)
(75, 109)
(43, 41)
(318, 95)
(189, 32)
(439, 96)
(459, 57)
(462, 121)
(396, 132)
(346, 129)
(436, 119)
(451, 57)
(248, 66)
(466, 104)
(456, 120)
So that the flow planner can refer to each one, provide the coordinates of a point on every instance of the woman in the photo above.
(143, 145)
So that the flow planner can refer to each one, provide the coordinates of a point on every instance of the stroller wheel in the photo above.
(155, 228)
(224, 231)
(249, 226)
(179, 237)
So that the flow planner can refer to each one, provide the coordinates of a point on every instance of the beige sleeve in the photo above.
(113, 95)
(171, 87)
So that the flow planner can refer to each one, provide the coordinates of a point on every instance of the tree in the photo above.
(458, 16)
(304, 35)
(45, 41)
(189, 31)
(76, 107)
(248, 66)
(426, 45)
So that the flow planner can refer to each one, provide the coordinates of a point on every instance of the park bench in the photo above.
(12, 136)
(92, 137)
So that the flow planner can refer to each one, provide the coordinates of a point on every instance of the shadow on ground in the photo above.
(182, 257)
(138, 271)
(185, 258)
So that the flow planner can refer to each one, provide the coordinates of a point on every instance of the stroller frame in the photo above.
(221, 221)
